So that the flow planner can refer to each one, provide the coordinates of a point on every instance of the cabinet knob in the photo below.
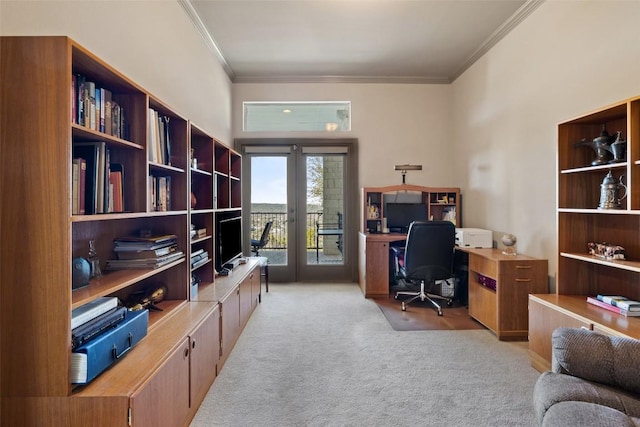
(193, 343)
(186, 352)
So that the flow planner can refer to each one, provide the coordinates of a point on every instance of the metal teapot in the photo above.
(610, 192)
(600, 146)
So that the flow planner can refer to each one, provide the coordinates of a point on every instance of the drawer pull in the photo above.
(523, 280)
(523, 266)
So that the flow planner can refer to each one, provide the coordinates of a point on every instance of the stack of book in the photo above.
(144, 252)
(199, 258)
(617, 304)
(98, 329)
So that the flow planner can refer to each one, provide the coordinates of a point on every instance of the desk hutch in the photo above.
(580, 221)
(164, 378)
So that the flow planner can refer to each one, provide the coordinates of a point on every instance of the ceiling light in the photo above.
(286, 111)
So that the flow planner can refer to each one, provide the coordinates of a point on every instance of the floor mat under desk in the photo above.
(421, 316)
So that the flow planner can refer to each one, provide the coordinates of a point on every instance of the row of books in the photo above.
(159, 138)
(97, 184)
(617, 304)
(160, 193)
(135, 252)
(95, 108)
(96, 329)
(197, 233)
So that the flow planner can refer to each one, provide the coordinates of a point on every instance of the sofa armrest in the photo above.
(597, 357)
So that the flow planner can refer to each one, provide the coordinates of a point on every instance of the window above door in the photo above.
(310, 116)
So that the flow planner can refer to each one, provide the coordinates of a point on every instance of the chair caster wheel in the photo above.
(449, 303)
(395, 297)
(404, 307)
(439, 313)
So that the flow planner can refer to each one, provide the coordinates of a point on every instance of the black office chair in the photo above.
(428, 257)
(256, 245)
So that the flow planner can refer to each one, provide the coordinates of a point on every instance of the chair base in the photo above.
(424, 296)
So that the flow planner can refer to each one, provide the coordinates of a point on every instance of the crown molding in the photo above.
(211, 43)
(513, 21)
(341, 79)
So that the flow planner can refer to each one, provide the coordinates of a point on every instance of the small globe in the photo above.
(509, 240)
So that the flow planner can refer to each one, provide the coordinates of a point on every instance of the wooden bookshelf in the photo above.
(580, 221)
(39, 126)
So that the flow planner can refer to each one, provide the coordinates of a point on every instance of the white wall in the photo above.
(566, 59)
(394, 124)
(153, 43)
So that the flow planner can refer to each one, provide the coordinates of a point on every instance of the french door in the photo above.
(305, 189)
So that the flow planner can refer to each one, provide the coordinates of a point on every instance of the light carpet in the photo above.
(323, 355)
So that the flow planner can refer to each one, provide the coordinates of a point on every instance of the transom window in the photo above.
(311, 116)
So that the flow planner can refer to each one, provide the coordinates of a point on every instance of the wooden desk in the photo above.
(503, 310)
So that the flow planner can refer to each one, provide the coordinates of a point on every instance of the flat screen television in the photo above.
(228, 240)
(401, 215)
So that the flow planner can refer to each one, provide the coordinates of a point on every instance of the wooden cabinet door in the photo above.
(205, 352)
(377, 269)
(246, 299)
(230, 318)
(164, 400)
(543, 320)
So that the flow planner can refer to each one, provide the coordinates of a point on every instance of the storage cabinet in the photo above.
(498, 288)
(374, 263)
(441, 204)
(165, 376)
(580, 222)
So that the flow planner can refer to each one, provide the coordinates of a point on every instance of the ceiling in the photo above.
(413, 41)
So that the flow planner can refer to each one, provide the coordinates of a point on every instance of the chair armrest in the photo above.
(597, 357)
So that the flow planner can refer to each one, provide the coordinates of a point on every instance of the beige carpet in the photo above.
(322, 355)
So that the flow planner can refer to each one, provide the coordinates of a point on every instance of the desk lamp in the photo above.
(405, 168)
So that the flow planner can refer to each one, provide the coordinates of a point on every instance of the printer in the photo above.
(473, 238)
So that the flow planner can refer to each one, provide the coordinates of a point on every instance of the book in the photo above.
(75, 187)
(94, 357)
(145, 254)
(82, 187)
(91, 329)
(611, 299)
(91, 310)
(142, 263)
(116, 178)
(599, 303)
(94, 154)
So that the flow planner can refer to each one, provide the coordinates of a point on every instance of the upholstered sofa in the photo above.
(594, 381)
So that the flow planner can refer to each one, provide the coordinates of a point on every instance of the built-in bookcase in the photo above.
(41, 233)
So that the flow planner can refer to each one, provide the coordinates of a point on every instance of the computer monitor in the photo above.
(401, 215)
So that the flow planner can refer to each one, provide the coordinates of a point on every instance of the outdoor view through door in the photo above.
(297, 191)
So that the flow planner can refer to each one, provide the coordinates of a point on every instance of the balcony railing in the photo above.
(278, 235)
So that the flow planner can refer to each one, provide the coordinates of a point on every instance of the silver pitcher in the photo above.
(610, 190)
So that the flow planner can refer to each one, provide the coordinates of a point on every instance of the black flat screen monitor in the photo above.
(401, 215)
(228, 240)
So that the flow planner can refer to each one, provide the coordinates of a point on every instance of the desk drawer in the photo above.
(483, 265)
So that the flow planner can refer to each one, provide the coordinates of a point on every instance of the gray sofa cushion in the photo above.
(596, 357)
(580, 414)
(553, 388)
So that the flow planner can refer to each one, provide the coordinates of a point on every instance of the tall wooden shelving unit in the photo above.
(579, 222)
(163, 379)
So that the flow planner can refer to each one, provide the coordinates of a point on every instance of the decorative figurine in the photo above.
(610, 190)
(94, 260)
(509, 241)
(618, 148)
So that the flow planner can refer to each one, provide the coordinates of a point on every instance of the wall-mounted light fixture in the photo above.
(404, 168)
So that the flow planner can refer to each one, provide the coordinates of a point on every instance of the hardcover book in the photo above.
(91, 310)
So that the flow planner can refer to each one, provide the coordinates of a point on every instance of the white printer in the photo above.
(474, 238)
